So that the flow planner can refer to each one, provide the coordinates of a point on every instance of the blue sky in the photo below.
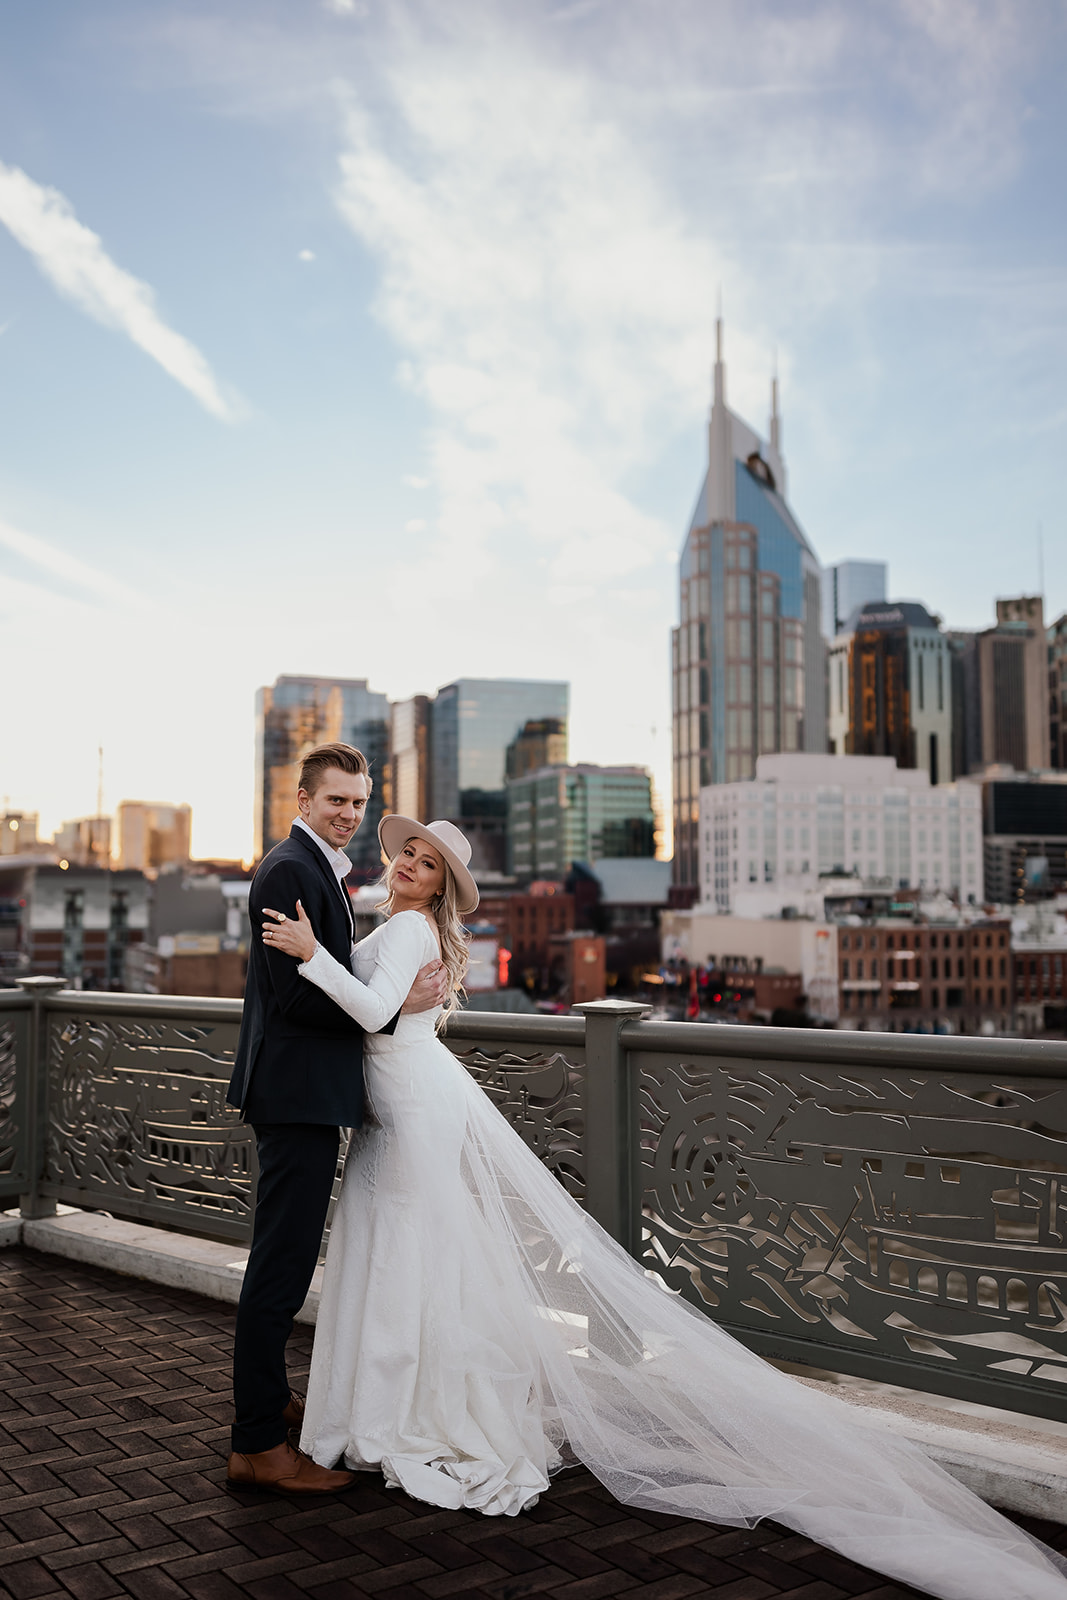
(375, 339)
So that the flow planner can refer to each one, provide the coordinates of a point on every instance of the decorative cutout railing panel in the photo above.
(15, 1027)
(857, 1216)
(138, 1122)
(541, 1094)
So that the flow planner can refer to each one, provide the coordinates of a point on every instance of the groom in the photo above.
(297, 1079)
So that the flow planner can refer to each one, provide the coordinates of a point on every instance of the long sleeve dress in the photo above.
(474, 1319)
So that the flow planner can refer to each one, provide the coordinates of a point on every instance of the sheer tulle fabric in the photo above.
(474, 1318)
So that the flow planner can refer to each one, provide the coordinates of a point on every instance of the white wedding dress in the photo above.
(474, 1319)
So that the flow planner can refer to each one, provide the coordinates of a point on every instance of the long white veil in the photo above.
(674, 1415)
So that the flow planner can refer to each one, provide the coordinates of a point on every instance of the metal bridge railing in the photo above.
(888, 1205)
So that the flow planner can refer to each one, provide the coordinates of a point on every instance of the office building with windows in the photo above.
(1003, 690)
(18, 833)
(1025, 821)
(153, 835)
(559, 815)
(85, 842)
(409, 758)
(748, 659)
(540, 744)
(473, 723)
(891, 688)
(292, 717)
(769, 840)
(1057, 692)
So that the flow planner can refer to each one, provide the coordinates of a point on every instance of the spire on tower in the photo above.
(720, 371)
(720, 507)
(777, 462)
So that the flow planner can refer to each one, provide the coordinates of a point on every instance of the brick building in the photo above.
(525, 925)
(899, 978)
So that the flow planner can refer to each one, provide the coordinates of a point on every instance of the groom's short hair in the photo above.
(317, 763)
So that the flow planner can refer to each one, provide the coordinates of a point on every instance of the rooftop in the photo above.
(112, 1441)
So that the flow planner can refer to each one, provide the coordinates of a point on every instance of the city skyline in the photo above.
(377, 343)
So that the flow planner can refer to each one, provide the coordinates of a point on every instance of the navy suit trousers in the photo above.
(297, 1162)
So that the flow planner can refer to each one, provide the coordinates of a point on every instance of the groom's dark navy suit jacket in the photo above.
(299, 1056)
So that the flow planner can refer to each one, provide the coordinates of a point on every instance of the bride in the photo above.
(474, 1319)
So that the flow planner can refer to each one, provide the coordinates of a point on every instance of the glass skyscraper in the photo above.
(294, 716)
(474, 721)
(748, 658)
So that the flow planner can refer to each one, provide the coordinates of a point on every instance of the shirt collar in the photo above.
(340, 864)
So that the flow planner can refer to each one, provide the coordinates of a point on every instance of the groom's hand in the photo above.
(430, 988)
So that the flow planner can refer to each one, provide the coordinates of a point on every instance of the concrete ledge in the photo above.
(178, 1260)
(1008, 1462)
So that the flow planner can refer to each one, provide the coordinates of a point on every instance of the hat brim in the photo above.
(394, 831)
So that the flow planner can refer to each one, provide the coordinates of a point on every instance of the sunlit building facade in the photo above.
(292, 717)
(748, 659)
(409, 758)
(152, 835)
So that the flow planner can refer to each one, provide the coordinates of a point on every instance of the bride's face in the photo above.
(417, 875)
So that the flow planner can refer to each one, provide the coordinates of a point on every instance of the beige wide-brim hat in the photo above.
(394, 832)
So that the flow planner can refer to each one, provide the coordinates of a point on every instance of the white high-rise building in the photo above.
(809, 816)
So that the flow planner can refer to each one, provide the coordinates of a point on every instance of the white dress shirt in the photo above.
(339, 862)
(340, 865)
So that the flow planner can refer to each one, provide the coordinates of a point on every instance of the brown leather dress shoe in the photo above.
(284, 1470)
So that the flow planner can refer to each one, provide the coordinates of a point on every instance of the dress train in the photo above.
(474, 1319)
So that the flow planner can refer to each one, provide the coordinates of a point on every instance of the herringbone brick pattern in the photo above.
(114, 1409)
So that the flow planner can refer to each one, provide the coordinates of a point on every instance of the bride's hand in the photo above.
(292, 938)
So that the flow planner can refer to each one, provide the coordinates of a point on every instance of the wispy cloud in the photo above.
(553, 306)
(73, 258)
(59, 564)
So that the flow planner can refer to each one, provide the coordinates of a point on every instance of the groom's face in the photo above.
(337, 807)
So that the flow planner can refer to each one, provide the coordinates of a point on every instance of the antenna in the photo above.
(1040, 560)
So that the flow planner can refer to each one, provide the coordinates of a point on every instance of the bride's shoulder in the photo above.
(413, 922)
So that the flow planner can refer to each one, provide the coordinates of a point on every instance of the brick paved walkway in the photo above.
(114, 1408)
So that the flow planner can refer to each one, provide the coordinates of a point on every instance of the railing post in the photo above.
(34, 1204)
(611, 1138)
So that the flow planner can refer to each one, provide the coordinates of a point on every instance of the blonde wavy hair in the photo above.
(454, 936)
